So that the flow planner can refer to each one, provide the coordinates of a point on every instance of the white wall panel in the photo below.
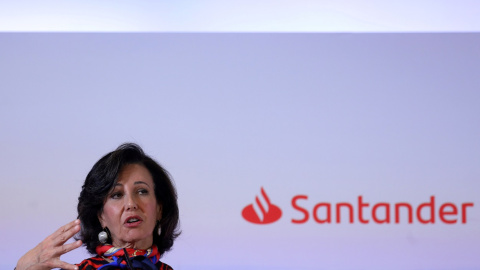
(389, 117)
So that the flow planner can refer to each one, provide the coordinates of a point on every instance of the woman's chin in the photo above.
(134, 242)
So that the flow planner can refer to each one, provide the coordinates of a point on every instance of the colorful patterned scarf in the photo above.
(139, 258)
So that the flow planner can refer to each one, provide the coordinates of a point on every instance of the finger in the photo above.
(64, 249)
(59, 251)
(65, 228)
(69, 247)
(66, 234)
(64, 265)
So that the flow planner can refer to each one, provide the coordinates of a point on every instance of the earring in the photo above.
(159, 228)
(104, 235)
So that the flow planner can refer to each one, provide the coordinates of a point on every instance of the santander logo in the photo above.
(360, 210)
(262, 211)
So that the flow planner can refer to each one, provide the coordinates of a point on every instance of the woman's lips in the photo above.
(132, 221)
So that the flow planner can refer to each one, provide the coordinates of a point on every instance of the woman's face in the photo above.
(131, 211)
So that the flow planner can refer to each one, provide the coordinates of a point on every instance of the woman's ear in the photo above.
(100, 219)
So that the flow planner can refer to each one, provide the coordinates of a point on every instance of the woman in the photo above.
(127, 216)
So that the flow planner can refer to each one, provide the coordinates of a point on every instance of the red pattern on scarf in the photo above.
(109, 251)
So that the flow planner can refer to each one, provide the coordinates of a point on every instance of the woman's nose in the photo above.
(130, 203)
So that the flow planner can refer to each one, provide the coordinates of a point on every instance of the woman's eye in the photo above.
(116, 195)
(142, 191)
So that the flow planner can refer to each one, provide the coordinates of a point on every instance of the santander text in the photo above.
(382, 212)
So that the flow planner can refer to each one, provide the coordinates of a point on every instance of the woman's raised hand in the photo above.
(46, 255)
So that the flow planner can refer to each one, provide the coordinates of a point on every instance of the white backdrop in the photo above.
(391, 117)
(240, 16)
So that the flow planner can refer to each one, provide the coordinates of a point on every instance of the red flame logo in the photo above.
(262, 211)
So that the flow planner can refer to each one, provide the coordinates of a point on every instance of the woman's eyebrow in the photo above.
(140, 182)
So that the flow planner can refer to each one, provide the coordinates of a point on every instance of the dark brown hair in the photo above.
(101, 179)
